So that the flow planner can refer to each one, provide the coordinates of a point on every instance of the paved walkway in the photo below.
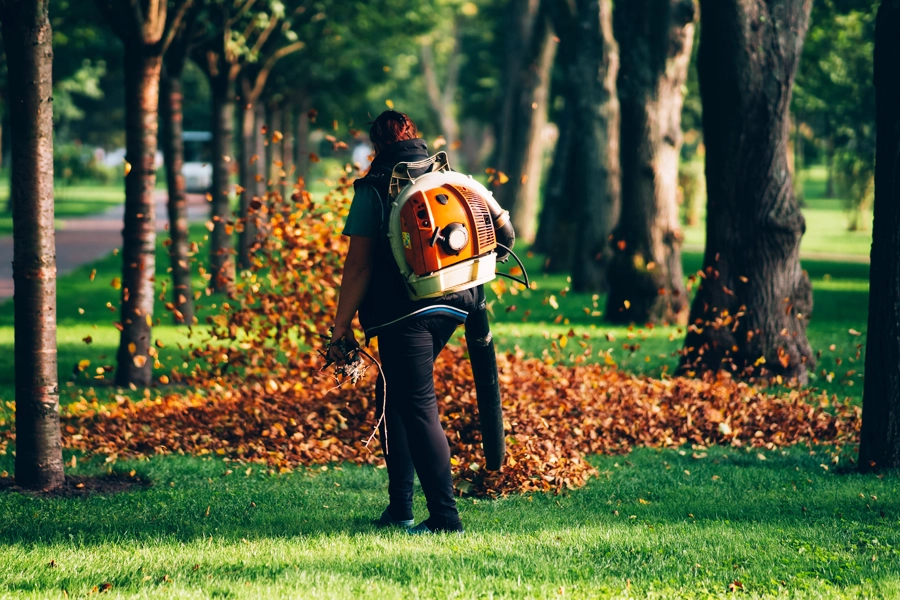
(86, 239)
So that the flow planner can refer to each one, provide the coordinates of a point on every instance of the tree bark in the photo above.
(276, 142)
(221, 260)
(287, 144)
(592, 177)
(442, 100)
(173, 150)
(142, 73)
(27, 40)
(751, 311)
(549, 239)
(645, 275)
(301, 144)
(880, 437)
(250, 187)
(531, 49)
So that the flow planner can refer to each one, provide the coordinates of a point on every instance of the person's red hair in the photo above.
(389, 127)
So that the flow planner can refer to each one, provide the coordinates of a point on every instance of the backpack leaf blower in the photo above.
(447, 234)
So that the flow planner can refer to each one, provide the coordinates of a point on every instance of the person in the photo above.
(410, 336)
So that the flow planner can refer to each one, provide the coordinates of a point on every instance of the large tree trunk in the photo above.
(751, 311)
(221, 261)
(142, 72)
(530, 54)
(171, 98)
(592, 180)
(27, 41)
(645, 275)
(880, 437)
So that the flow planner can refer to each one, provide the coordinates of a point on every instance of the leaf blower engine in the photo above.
(446, 230)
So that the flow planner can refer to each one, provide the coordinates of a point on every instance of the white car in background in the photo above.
(197, 168)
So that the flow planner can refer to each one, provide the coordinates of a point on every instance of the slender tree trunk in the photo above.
(645, 274)
(276, 139)
(301, 144)
(593, 174)
(221, 261)
(27, 40)
(249, 184)
(287, 144)
(142, 72)
(880, 437)
(829, 165)
(269, 127)
(171, 98)
(520, 151)
(751, 311)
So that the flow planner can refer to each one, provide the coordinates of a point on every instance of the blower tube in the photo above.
(506, 235)
(487, 383)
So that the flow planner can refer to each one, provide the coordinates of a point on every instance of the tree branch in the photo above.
(263, 75)
(173, 25)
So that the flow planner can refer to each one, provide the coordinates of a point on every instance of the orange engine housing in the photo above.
(427, 215)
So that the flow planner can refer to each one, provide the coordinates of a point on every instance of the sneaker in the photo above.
(386, 520)
(429, 527)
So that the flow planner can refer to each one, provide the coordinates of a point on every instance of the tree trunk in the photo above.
(287, 144)
(475, 139)
(221, 261)
(268, 169)
(27, 41)
(249, 185)
(592, 176)
(751, 311)
(880, 437)
(645, 275)
(142, 72)
(276, 126)
(301, 143)
(520, 151)
(171, 98)
(829, 165)
(551, 239)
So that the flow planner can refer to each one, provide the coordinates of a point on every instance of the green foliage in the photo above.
(75, 163)
(835, 95)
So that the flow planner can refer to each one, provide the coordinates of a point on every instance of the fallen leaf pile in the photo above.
(554, 416)
(251, 390)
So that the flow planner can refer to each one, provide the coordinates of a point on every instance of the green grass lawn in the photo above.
(659, 524)
(826, 223)
(694, 522)
(73, 201)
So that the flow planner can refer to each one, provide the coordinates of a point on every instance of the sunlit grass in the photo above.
(656, 523)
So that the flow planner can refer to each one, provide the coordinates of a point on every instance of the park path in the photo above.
(85, 239)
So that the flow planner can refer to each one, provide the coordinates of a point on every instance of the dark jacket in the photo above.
(387, 302)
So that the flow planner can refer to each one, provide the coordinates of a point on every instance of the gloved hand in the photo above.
(342, 342)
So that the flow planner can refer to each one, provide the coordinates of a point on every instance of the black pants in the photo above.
(415, 438)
